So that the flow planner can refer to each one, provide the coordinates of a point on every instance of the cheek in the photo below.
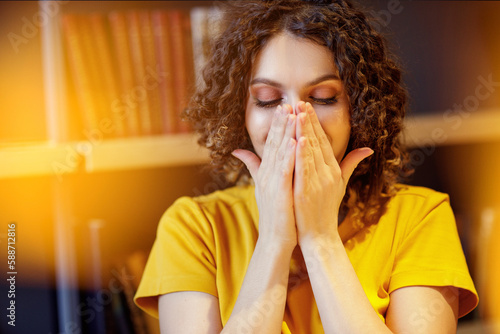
(258, 123)
(338, 130)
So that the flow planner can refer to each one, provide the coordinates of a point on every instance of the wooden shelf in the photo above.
(437, 130)
(116, 154)
(31, 160)
(175, 150)
(145, 152)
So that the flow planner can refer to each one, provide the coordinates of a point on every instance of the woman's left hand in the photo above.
(319, 180)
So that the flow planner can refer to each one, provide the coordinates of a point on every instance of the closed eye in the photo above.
(327, 101)
(268, 104)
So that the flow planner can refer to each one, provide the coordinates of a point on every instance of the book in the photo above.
(94, 71)
(152, 77)
(139, 92)
(136, 263)
(204, 28)
(79, 70)
(161, 32)
(129, 273)
(125, 106)
(124, 306)
(135, 70)
(190, 84)
(106, 71)
(182, 56)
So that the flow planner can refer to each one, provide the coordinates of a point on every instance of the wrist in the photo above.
(276, 245)
(321, 244)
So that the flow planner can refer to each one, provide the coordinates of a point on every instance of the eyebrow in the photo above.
(310, 83)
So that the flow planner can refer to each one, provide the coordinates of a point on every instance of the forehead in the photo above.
(286, 57)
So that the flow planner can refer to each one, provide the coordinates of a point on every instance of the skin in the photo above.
(318, 135)
(315, 81)
(300, 175)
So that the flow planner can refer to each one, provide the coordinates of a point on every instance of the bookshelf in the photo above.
(481, 126)
(62, 161)
(60, 149)
(38, 159)
(51, 159)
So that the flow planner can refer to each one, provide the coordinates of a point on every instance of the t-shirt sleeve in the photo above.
(181, 258)
(430, 253)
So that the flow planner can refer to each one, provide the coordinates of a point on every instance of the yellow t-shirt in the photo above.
(205, 244)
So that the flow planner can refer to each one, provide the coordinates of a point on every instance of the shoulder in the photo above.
(230, 197)
(426, 244)
(406, 192)
(221, 203)
(415, 207)
(416, 198)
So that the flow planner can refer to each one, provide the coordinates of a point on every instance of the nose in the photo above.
(292, 98)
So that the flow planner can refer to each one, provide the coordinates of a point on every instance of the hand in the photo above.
(273, 177)
(319, 182)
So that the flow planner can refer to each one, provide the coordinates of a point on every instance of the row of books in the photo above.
(127, 317)
(132, 72)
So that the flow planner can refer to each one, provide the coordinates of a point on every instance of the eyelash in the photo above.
(277, 102)
(328, 101)
(267, 104)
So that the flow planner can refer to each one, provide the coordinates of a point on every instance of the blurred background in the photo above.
(92, 153)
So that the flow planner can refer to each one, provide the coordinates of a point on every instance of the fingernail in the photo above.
(300, 106)
(309, 108)
(302, 118)
(291, 118)
(302, 141)
(288, 109)
(368, 150)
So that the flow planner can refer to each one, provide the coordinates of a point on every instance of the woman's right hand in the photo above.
(273, 177)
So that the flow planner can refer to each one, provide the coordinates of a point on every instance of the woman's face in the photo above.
(292, 69)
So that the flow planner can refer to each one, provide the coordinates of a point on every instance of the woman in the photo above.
(305, 95)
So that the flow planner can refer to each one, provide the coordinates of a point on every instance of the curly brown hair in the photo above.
(368, 71)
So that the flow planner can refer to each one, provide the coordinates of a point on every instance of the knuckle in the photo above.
(272, 144)
(328, 182)
(305, 171)
(286, 172)
(336, 173)
(322, 140)
(309, 156)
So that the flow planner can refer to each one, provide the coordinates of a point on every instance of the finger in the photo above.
(291, 117)
(288, 166)
(324, 143)
(304, 165)
(306, 130)
(289, 134)
(298, 112)
(351, 161)
(250, 159)
(275, 135)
